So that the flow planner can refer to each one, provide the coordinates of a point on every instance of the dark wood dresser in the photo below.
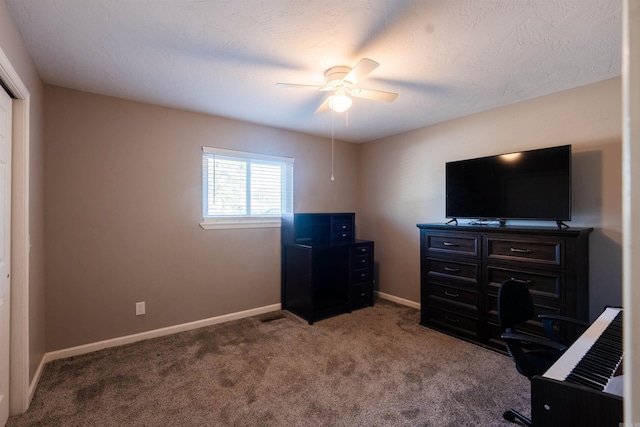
(463, 266)
(325, 270)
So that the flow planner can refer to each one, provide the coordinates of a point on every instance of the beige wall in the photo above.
(14, 48)
(123, 206)
(403, 179)
(123, 185)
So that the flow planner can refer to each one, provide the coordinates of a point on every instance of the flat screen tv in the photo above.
(527, 185)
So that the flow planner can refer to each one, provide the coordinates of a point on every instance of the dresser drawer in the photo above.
(548, 251)
(341, 223)
(452, 269)
(453, 244)
(541, 284)
(458, 323)
(342, 236)
(438, 293)
(361, 249)
(361, 275)
(361, 295)
(361, 261)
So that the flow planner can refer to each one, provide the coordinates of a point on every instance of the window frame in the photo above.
(210, 222)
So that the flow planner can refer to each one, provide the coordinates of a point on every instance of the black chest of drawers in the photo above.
(325, 270)
(462, 268)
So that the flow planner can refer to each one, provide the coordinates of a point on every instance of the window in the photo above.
(245, 190)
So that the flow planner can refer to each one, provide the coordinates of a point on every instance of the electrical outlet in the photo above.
(140, 309)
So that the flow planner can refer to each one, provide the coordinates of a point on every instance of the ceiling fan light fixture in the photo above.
(340, 102)
(340, 82)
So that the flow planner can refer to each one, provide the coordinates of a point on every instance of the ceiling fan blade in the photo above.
(376, 95)
(296, 86)
(362, 68)
(323, 107)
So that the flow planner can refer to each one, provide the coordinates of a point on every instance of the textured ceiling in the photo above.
(445, 58)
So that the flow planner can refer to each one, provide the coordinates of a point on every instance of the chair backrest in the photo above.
(515, 305)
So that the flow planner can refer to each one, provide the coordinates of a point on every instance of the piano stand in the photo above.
(560, 403)
(512, 414)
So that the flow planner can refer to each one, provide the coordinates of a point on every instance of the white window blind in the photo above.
(245, 188)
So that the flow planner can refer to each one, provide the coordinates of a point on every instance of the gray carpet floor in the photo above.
(374, 367)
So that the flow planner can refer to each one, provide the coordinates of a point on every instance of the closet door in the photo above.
(5, 249)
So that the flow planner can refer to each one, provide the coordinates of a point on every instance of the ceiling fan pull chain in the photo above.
(332, 178)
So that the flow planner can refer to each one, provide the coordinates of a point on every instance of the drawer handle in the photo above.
(344, 227)
(449, 294)
(521, 251)
(363, 261)
(363, 249)
(363, 274)
(450, 244)
(363, 294)
(454, 270)
(525, 282)
(451, 319)
(344, 234)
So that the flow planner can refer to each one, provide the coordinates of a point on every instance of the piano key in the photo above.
(601, 344)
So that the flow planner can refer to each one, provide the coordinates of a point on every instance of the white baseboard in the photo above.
(128, 339)
(398, 300)
(36, 379)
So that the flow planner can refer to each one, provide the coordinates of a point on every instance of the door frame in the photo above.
(20, 392)
(631, 205)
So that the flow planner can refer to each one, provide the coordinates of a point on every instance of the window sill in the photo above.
(240, 222)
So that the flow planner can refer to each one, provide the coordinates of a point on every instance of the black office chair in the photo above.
(533, 355)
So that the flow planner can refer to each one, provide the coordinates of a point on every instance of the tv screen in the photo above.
(532, 185)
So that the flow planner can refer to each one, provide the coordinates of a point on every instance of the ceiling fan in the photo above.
(341, 81)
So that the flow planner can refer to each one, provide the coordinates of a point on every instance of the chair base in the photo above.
(511, 415)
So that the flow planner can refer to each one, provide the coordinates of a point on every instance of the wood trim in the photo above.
(19, 395)
(398, 300)
(631, 206)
